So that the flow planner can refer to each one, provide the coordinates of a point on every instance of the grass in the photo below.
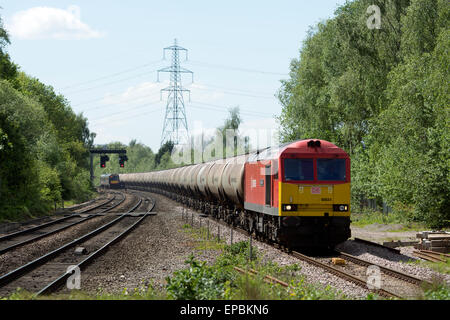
(441, 267)
(68, 203)
(370, 217)
(25, 214)
(437, 291)
(200, 236)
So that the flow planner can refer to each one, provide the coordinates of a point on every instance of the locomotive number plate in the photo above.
(316, 190)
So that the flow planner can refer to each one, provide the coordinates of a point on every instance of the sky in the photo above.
(103, 56)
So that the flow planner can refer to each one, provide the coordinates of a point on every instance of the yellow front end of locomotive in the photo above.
(310, 200)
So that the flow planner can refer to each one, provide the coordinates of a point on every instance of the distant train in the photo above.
(296, 194)
(110, 181)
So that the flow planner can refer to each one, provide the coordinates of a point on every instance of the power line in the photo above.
(221, 106)
(112, 82)
(143, 114)
(99, 99)
(119, 102)
(237, 90)
(128, 110)
(209, 65)
(237, 93)
(112, 75)
(206, 106)
(142, 66)
(134, 116)
(225, 109)
(152, 63)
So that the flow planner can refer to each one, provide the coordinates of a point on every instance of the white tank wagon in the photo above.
(221, 181)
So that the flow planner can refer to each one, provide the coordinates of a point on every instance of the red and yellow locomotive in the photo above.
(303, 192)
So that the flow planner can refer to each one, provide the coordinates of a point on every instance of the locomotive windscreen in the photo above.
(298, 169)
(331, 170)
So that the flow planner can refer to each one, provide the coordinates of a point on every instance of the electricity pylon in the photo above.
(175, 127)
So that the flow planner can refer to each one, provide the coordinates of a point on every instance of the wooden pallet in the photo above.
(434, 241)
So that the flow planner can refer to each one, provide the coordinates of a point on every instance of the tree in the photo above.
(167, 147)
(8, 70)
(383, 96)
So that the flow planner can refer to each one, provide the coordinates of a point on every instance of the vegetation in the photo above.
(438, 291)
(369, 217)
(43, 144)
(441, 267)
(382, 95)
(221, 281)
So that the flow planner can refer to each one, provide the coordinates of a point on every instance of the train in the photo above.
(110, 181)
(296, 194)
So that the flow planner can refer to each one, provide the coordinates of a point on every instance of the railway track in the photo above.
(431, 255)
(85, 205)
(393, 283)
(17, 239)
(48, 272)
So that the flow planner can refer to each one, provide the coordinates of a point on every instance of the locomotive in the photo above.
(110, 181)
(296, 194)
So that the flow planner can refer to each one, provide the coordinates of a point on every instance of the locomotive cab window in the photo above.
(298, 169)
(331, 170)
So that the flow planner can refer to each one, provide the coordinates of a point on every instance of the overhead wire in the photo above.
(128, 110)
(210, 65)
(112, 82)
(206, 88)
(196, 105)
(112, 75)
(237, 93)
(133, 116)
(208, 106)
(225, 107)
(120, 102)
(237, 90)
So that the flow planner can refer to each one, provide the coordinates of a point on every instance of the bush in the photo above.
(198, 282)
(439, 292)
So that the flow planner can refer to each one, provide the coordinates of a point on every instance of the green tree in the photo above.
(383, 96)
(26, 183)
(167, 147)
(8, 70)
(43, 144)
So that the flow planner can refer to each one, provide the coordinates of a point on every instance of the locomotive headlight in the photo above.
(289, 207)
(340, 207)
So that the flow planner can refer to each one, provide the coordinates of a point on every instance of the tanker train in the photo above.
(296, 194)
